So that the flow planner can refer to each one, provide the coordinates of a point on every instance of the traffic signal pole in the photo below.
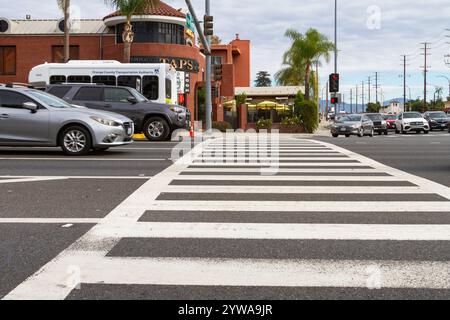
(208, 102)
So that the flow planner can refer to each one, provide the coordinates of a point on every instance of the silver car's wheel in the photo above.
(75, 141)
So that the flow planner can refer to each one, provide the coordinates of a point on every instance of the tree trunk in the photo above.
(307, 81)
(127, 37)
(67, 31)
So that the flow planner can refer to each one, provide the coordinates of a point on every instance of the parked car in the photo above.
(390, 120)
(411, 121)
(30, 117)
(353, 124)
(379, 124)
(437, 120)
(157, 121)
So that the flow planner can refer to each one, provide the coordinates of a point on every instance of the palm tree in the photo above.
(306, 50)
(129, 8)
(64, 5)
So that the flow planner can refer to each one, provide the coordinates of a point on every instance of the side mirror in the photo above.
(132, 100)
(33, 107)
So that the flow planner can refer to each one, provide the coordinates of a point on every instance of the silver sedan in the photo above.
(353, 124)
(33, 118)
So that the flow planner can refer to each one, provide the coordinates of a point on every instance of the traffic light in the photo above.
(334, 83)
(217, 69)
(208, 25)
(334, 100)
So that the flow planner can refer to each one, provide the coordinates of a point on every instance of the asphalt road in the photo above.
(49, 201)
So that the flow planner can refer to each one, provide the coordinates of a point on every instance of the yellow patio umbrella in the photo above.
(267, 104)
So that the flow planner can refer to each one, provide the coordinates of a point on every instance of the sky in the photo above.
(372, 35)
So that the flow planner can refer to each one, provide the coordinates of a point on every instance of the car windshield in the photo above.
(375, 117)
(437, 115)
(390, 117)
(138, 95)
(49, 99)
(412, 115)
(350, 118)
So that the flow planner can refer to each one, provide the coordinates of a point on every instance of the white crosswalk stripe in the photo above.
(321, 172)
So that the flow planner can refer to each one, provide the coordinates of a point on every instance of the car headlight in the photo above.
(355, 126)
(177, 109)
(384, 123)
(106, 122)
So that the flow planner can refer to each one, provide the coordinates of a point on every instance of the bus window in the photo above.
(168, 89)
(150, 87)
(106, 80)
(57, 79)
(79, 79)
(128, 81)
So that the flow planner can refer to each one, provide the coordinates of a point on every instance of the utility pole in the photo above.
(376, 87)
(404, 81)
(425, 71)
(328, 107)
(208, 104)
(357, 98)
(351, 100)
(362, 111)
(370, 78)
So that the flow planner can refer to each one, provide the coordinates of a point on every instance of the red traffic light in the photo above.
(334, 100)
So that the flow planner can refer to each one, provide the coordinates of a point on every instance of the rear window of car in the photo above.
(89, 94)
(375, 117)
(59, 91)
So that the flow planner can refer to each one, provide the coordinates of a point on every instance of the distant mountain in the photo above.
(351, 109)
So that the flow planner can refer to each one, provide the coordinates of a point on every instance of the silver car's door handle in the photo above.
(4, 116)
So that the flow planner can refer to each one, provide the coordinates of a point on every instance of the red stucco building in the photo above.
(162, 34)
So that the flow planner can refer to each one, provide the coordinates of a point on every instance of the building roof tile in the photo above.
(163, 9)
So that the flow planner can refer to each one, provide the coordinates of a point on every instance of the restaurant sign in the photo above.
(180, 64)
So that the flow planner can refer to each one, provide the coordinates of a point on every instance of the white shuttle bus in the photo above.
(157, 82)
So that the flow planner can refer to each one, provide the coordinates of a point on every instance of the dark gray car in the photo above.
(156, 121)
(380, 125)
(353, 124)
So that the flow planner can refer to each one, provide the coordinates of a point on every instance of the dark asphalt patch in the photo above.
(81, 168)
(354, 197)
(190, 293)
(292, 183)
(25, 248)
(282, 249)
(71, 198)
(426, 218)
(289, 174)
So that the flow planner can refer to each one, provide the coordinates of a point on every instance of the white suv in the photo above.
(411, 121)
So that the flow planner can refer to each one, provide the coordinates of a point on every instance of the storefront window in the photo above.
(154, 32)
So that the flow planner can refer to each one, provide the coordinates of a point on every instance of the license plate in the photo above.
(129, 131)
(343, 129)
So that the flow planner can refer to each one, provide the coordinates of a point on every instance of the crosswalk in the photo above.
(290, 214)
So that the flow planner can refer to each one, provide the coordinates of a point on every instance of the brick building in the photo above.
(162, 34)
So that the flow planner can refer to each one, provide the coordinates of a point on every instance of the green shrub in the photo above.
(222, 126)
(308, 112)
(241, 99)
(294, 121)
(264, 124)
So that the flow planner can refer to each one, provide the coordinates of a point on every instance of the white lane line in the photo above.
(271, 177)
(31, 179)
(295, 206)
(54, 280)
(45, 178)
(294, 190)
(82, 159)
(276, 158)
(281, 231)
(268, 273)
(49, 220)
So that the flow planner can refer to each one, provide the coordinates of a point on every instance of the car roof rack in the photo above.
(18, 84)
